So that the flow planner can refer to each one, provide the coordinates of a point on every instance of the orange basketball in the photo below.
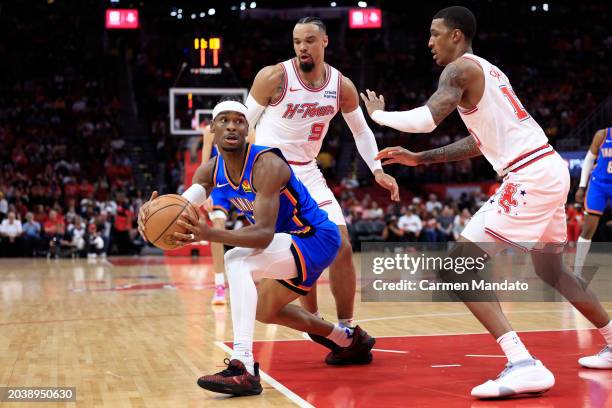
(160, 218)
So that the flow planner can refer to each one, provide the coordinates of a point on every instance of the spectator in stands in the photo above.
(3, 207)
(374, 212)
(78, 236)
(460, 222)
(40, 215)
(10, 235)
(433, 204)
(392, 232)
(445, 224)
(410, 224)
(122, 226)
(31, 235)
(95, 246)
(54, 230)
(104, 226)
(429, 233)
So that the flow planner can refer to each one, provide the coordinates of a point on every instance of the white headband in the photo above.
(231, 106)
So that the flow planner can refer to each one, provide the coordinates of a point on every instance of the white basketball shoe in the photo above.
(522, 377)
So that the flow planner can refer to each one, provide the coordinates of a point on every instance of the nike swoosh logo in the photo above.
(293, 90)
(222, 185)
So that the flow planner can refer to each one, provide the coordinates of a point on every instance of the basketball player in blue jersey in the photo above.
(290, 242)
(599, 193)
(218, 208)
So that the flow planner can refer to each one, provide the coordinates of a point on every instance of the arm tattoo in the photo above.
(278, 91)
(462, 149)
(453, 82)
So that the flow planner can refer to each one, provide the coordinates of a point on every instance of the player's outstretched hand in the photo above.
(579, 197)
(399, 155)
(197, 229)
(372, 101)
(388, 182)
(142, 215)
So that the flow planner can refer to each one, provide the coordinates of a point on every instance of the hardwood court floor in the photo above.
(138, 332)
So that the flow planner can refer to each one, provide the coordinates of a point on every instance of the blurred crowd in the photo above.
(66, 183)
(67, 186)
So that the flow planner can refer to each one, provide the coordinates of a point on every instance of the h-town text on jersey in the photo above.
(308, 110)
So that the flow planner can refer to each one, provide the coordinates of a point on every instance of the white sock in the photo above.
(346, 322)
(219, 279)
(513, 347)
(582, 249)
(606, 332)
(342, 336)
(246, 358)
(244, 306)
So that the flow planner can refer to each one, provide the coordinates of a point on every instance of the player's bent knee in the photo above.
(235, 255)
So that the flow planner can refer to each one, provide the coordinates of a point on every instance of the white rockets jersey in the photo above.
(503, 129)
(297, 121)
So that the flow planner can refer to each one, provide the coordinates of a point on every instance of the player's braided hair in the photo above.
(313, 20)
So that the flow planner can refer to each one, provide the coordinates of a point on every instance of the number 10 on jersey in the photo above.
(519, 111)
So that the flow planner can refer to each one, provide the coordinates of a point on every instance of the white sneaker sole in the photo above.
(532, 381)
(595, 362)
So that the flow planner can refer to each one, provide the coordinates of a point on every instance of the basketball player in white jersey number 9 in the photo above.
(291, 104)
(527, 212)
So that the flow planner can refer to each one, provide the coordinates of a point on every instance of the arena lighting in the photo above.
(121, 19)
(333, 4)
(365, 18)
(179, 16)
(545, 7)
(202, 14)
(173, 13)
(180, 11)
(362, 4)
(242, 6)
(211, 12)
(193, 16)
(253, 4)
(533, 8)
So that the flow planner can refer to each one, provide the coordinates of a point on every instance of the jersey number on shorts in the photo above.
(316, 131)
(610, 167)
(520, 112)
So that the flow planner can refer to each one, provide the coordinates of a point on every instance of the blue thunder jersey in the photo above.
(599, 192)
(316, 239)
(603, 168)
(220, 202)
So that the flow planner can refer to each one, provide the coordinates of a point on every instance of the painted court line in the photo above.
(440, 334)
(445, 365)
(390, 351)
(450, 314)
(278, 386)
(485, 355)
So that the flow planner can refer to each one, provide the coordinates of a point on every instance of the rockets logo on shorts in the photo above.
(506, 197)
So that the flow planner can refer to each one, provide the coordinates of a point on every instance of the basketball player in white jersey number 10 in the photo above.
(291, 105)
(527, 212)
